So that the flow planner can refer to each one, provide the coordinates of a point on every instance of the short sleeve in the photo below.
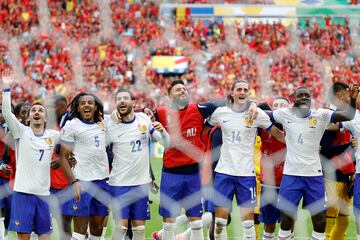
(263, 120)
(67, 134)
(347, 125)
(277, 115)
(214, 118)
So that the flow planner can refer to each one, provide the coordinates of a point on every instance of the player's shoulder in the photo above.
(52, 133)
(322, 113)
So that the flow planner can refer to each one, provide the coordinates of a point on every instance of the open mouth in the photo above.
(87, 110)
(122, 107)
(36, 118)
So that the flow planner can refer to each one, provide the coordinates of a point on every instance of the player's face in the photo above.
(279, 103)
(179, 95)
(303, 99)
(124, 103)
(37, 115)
(240, 93)
(87, 108)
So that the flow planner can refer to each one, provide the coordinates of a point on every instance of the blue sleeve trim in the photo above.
(269, 127)
(341, 125)
(332, 117)
(208, 124)
(152, 131)
(271, 115)
(6, 90)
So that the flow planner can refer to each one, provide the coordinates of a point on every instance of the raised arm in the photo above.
(349, 113)
(7, 78)
(162, 135)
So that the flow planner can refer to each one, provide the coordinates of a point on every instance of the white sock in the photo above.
(181, 220)
(168, 232)
(138, 232)
(77, 236)
(2, 228)
(268, 236)
(357, 236)
(186, 235)
(220, 228)
(318, 236)
(206, 219)
(120, 232)
(33, 236)
(248, 228)
(284, 235)
(103, 234)
(92, 237)
(196, 230)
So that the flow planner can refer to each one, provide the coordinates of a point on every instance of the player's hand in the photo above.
(354, 143)
(150, 113)
(158, 126)
(154, 187)
(77, 190)
(354, 91)
(72, 160)
(5, 168)
(252, 111)
(55, 163)
(7, 78)
(115, 116)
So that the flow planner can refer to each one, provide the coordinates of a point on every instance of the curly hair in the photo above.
(74, 113)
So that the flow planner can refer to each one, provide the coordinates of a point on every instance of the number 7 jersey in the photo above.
(303, 136)
(88, 145)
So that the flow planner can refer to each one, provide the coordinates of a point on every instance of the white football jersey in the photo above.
(131, 163)
(89, 148)
(354, 127)
(238, 135)
(303, 136)
(33, 153)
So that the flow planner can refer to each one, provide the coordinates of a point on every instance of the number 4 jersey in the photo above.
(88, 145)
(303, 136)
(238, 134)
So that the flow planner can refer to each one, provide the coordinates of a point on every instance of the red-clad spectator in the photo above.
(292, 72)
(223, 69)
(76, 19)
(47, 63)
(107, 66)
(349, 72)
(18, 17)
(5, 59)
(201, 33)
(138, 20)
(327, 41)
(263, 37)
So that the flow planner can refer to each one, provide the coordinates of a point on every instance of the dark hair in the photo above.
(337, 87)
(59, 98)
(19, 106)
(175, 82)
(74, 113)
(120, 90)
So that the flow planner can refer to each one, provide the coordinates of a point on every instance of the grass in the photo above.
(303, 226)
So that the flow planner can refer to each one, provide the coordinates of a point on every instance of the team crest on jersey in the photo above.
(142, 128)
(17, 222)
(248, 122)
(312, 122)
(48, 141)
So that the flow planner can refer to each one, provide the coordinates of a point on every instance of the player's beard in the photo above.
(303, 109)
(182, 101)
(127, 112)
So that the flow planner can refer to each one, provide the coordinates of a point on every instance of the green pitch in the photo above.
(303, 226)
